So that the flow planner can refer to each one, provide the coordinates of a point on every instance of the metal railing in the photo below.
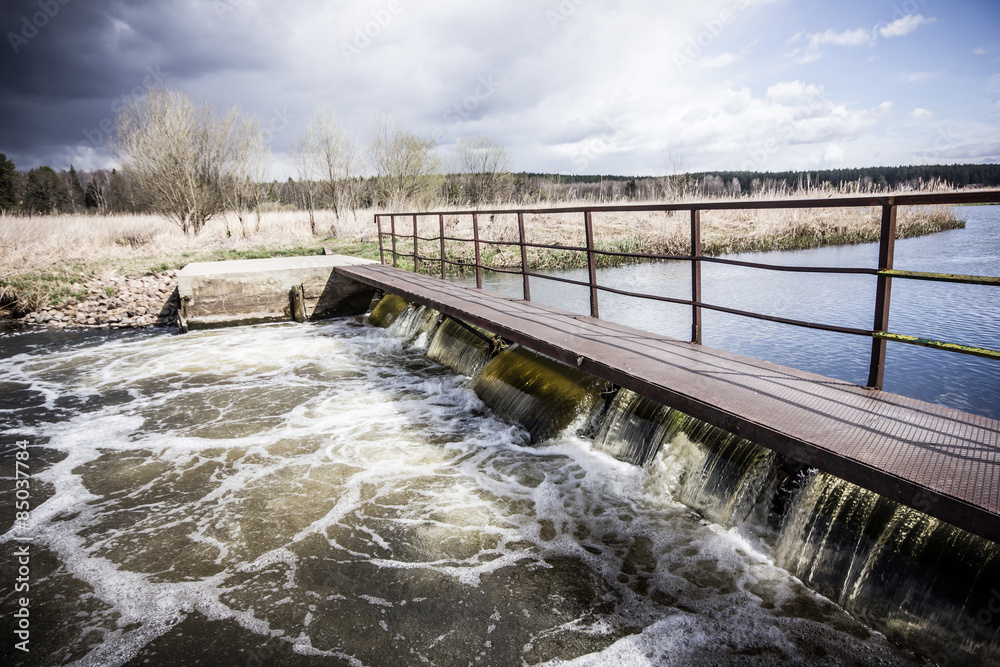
(884, 272)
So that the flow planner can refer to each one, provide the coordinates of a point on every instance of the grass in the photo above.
(668, 233)
(45, 260)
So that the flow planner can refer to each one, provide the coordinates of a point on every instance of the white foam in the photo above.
(356, 450)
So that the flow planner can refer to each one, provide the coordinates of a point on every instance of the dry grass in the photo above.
(32, 243)
(44, 259)
(667, 233)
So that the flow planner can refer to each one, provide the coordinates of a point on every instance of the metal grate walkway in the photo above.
(935, 459)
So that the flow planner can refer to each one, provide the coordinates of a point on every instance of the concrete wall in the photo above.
(250, 291)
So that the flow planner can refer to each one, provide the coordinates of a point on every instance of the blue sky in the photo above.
(571, 86)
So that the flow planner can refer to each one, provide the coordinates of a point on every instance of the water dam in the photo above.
(334, 493)
(406, 487)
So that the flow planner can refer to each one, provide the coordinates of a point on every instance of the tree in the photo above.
(46, 193)
(9, 198)
(404, 164)
(97, 189)
(486, 166)
(246, 188)
(676, 180)
(75, 188)
(327, 154)
(178, 155)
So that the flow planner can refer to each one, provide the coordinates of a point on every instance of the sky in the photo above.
(566, 86)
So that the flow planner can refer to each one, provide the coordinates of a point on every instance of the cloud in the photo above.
(857, 37)
(719, 61)
(904, 26)
(920, 113)
(920, 77)
(979, 51)
(784, 91)
(854, 38)
(833, 155)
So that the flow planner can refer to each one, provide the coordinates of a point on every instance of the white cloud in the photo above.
(854, 38)
(919, 77)
(857, 37)
(719, 61)
(784, 91)
(833, 155)
(905, 25)
(850, 38)
(920, 113)
(979, 51)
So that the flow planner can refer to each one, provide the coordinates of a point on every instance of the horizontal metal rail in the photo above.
(884, 272)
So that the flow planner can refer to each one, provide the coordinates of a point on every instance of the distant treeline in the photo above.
(913, 176)
(46, 191)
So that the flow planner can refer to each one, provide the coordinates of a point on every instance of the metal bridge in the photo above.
(938, 460)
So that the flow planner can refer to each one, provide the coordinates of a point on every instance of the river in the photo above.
(324, 494)
(966, 314)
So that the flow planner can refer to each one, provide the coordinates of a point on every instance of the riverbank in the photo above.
(668, 233)
(84, 271)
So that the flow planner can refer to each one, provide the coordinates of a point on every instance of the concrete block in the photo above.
(251, 291)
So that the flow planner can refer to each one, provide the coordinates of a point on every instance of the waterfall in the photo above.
(542, 394)
(924, 583)
(634, 428)
(921, 581)
(415, 321)
(387, 310)
(720, 475)
(456, 346)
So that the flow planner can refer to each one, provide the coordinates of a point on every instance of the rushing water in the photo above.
(967, 314)
(326, 494)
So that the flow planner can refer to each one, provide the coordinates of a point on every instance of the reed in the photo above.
(45, 259)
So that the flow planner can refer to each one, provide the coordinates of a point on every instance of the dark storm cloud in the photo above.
(560, 83)
(65, 68)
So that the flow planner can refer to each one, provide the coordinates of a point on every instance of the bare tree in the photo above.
(487, 168)
(306, 186)
(178, 154)
(327, 157)
(404, 164)
(676, 180)
(246, 189)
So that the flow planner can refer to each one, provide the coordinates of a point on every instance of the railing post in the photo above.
(524, 256)
(588, 224)
(441, 236)
(695, 276)
(392, 222)
(416, 253)
(475, 241)
(381, 250)
(883, 290)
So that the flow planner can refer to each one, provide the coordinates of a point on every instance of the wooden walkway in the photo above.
(935, 459)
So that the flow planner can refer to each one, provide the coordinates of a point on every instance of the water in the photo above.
(325, 494)
(966, 314)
